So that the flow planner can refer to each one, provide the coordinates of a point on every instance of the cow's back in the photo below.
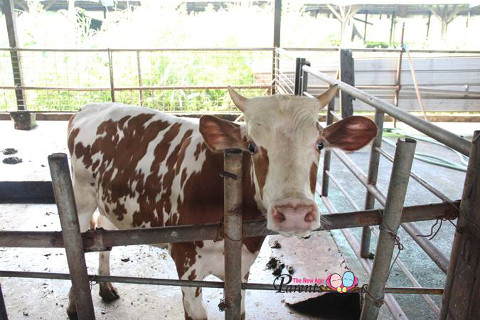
(136, 161)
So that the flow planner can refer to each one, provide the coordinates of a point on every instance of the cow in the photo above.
(142, 168)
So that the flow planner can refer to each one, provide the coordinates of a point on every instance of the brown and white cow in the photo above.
(142, 168)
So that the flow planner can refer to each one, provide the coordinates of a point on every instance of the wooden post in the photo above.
(233, 233)
(9, 11)
(347, 75)
(72, 238)
(387, 238)
(461, 297)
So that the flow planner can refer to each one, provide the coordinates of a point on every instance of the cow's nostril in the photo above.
(310, 217)
(278, 216)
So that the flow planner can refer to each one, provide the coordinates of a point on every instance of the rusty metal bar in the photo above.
(8, 9)
(449, 139)
(106, 239)
(110, 68)
(3, 308)
(194, 283)
(398, 76)
(63, 190)
(372, 180)
(389, 227)
(461, 298)
(233, 233)
(139, 74)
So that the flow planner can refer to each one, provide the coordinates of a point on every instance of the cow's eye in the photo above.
(320, 146)
(252, 148)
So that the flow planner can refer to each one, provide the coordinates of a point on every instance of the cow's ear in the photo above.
(351, 133)
(220, 134)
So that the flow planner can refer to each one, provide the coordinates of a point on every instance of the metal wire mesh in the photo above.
(168, 80)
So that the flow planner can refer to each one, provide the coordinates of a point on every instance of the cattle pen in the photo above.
(459, 283)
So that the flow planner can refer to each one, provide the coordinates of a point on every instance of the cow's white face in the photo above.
(284, 139)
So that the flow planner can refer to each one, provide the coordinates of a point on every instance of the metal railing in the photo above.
(373, 193)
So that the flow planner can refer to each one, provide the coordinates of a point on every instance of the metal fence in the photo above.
(379, 269)
(389, 219)
(181, 80)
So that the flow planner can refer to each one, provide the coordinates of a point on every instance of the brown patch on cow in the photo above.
(313, 177)
(71, 138)
(184, 256)
(261, 168)
(192, 275)
(200, 147)
(151, 210)
(198, 291)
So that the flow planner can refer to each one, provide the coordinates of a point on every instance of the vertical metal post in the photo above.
(3, 308)
(299, 63)
(389, 227)
(328, 153)
(110, 67)
(347, 75)
(304, 80)
(398, 77)
(277, 23)
(233, 232)
(72, 239)
(392, 26)
(461, 297)
(372, 180)
(9, 11)
(139, 70)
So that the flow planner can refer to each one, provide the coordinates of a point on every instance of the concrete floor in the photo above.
(47, 299)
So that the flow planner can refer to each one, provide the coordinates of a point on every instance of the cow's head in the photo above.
(284, 138)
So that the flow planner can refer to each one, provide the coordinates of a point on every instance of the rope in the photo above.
(366, 294)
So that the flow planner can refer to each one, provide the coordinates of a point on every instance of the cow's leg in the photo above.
(189, 267)
(193, 303)
(107, 291)
(86, 205)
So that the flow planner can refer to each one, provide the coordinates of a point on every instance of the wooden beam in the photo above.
(462, 287)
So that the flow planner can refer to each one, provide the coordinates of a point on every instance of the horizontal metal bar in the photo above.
(136, 50)
(360, 175)
(431, 250)
(390, 301)
(105, 239)
(195, 283)
(144, 88)
(417, 178)
(453, 141)
(385, 50)
(398, 261)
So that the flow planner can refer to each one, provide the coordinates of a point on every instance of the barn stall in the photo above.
(301, 83)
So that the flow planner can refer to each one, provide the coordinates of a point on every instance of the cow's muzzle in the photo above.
(294, 217)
